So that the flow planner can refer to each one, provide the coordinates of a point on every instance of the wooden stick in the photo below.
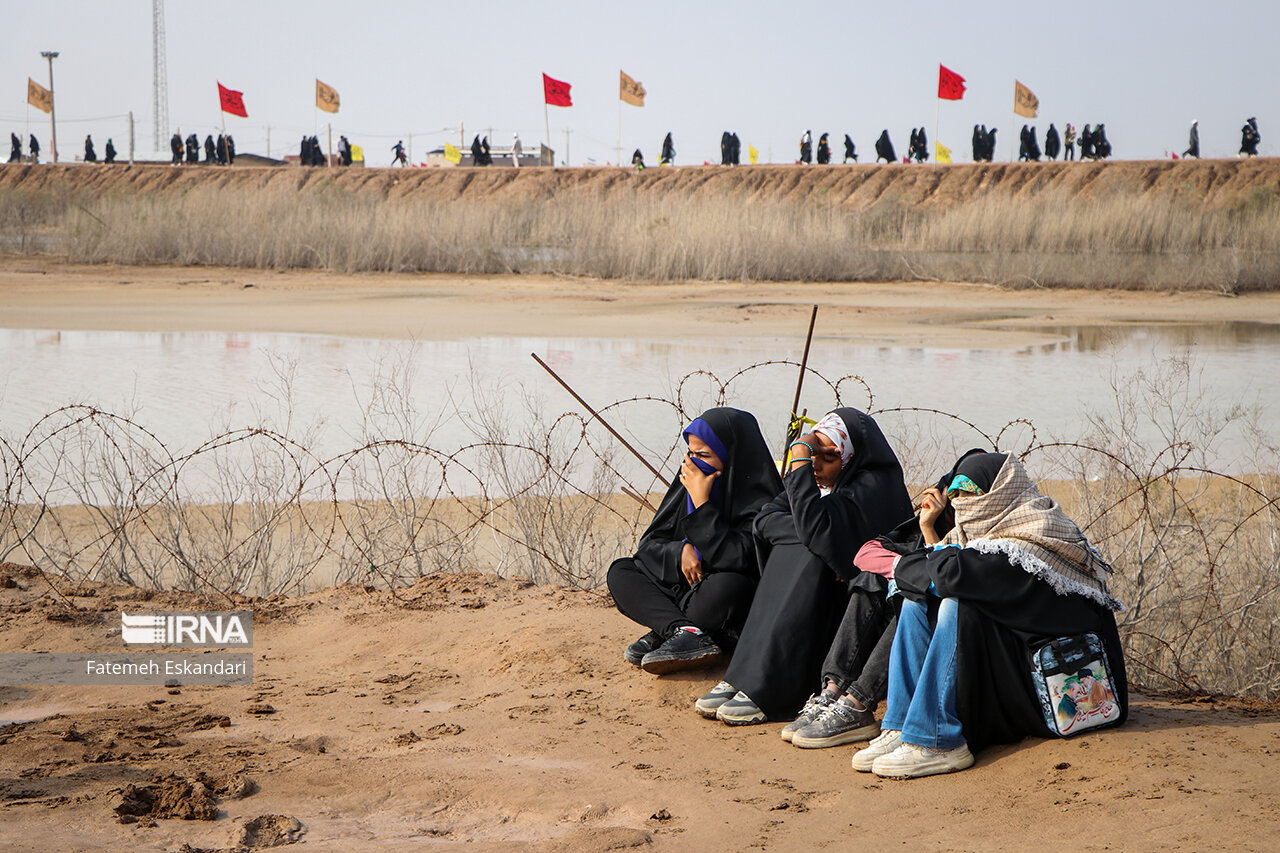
(804, 361)
(596, 415)
(638, 498)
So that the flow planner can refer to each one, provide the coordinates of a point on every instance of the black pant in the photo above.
(718, 604)
(858, 661)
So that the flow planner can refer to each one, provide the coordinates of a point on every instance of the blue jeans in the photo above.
(922, 677)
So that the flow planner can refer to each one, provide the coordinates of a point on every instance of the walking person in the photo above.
(90, 156)
(1068, 142)
(34, 147)
(806, 148)
(516, 150)
(1193, 141)
(668, 151)
(110, 151)
(398, 158)
(15, 148)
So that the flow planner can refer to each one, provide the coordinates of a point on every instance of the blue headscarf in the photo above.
(703, 430)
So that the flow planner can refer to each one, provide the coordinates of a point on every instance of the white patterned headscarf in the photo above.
(833, 427)
(1031, 529)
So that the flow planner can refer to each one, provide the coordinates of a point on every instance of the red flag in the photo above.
(556, 91)
(950, 84)
(231, 101)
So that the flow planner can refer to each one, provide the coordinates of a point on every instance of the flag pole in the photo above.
(618, 151)
(546, 116)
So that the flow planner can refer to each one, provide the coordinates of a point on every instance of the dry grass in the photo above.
(1048, 238)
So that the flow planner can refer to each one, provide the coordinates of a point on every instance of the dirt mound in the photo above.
(1212, 183)
(480, 711)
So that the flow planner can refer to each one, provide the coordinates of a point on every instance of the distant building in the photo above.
(501, 157)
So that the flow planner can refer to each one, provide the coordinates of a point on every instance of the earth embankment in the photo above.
(1220, 184)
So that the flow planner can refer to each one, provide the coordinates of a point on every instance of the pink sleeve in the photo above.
(877, 559)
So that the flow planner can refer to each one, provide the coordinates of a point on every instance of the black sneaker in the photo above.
(641, 647)
(682, 650)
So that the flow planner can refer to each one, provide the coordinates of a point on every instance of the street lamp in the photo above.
(53, 122)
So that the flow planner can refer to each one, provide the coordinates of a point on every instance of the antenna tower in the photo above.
(160, 87)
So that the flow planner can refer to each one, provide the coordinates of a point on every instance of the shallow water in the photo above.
(329, 391)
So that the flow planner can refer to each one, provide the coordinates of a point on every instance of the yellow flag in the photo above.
(1025, 103)
(631, 91)
(39, 97)
(357, 154)
(752, 154)
(453, 155)
(326, 97)
(943, 153)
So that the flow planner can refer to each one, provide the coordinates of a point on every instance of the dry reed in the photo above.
(1045, 239)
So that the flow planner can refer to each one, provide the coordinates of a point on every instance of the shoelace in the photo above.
(842, 710)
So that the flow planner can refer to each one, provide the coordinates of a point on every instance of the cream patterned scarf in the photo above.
(1033, 532)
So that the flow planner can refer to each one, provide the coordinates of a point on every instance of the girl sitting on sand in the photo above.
(1012, 584)
(844, 487)
(693, 576)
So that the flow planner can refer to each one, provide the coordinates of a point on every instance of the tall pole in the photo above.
(268, 140)
(53, 121)
(937, 117)
(328, 133)
(130, 137)
(618, 151)
(567, 131)
(546, 116)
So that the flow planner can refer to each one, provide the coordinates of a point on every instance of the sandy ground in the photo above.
(43, 293)
(492, 713)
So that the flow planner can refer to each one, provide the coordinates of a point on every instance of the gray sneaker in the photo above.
(840, 723)
(740, 711)
(709, 704)
(811, 711)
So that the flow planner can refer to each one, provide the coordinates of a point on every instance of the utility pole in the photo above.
(130, 137)
(51, 55)
(567, 131)
(268, 140)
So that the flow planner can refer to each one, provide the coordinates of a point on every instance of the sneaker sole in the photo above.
(661, 666)
(862, 733)
(919, 770)
(744, 720)
(866, 765)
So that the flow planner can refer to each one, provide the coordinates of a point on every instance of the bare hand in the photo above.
(691, 564)
(932, 503)
(696, 483)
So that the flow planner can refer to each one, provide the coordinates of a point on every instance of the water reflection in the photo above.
(187, 387)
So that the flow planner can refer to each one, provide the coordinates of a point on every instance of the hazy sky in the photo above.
(766, 70)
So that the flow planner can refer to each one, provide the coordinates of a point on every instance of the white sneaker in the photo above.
(912, 761)
(885, 743)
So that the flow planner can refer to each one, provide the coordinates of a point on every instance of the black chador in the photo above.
(231, 150)
(650, 587)
(824, 150)
(484, 148)
(726, 149)
(884, 148)
(976, 143)
(850, 150)
(210, 149)
(806, 148)
(990, 144)
(477, 153)
(1249, 138)
(15, 148)
(806, 543)
(110, 152)
(1033, 146)
(922, 146)
(1024, 147)
(90, 156)
(736, 158)
(193, 149)
(175, 146)
(637, 159)
(1052, 142)
(221, 147)
(1193, 141)
(1086, 143)
(1101, 145)
(668, 151)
